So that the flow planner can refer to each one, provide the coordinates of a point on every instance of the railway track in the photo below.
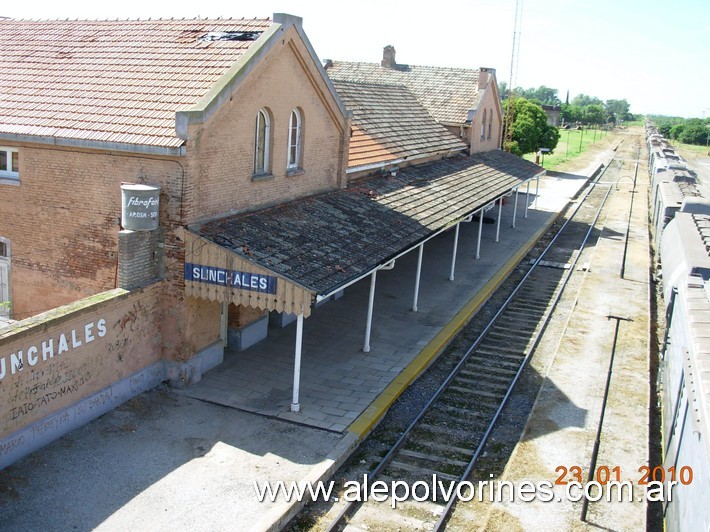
(446, 438)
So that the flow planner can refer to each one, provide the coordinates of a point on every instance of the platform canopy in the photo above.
(284, 257)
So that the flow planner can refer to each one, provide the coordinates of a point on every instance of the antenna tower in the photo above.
(512, 80)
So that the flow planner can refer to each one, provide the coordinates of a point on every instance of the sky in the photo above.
(654, 54)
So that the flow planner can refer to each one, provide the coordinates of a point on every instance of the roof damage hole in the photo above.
(231, 36)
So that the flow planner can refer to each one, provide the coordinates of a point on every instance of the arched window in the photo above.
(295, 130)
(483, 125)
(490, 123)
(262, 140)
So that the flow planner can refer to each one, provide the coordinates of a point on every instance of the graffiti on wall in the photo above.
(66, 364)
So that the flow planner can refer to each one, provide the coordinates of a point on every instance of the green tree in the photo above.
(695, 133)
(543, 95)
(665, 129)
(571, 114)
(676, 131)
(689, 131)
(583, 100)
(593, 114)
(530, 130)
(618, 109)
(503, 90)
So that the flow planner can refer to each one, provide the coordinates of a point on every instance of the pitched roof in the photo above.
(111, 81)
(323, 242)
(447, 93)
(390, 124)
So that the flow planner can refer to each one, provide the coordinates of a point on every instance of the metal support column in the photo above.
(368, 327)
(419, 275)
(295, 405)
(500, 215)
(453, 257)
(527, 200)
(515, 206)
(480, 231)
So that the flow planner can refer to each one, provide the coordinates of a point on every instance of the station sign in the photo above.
(254, 282)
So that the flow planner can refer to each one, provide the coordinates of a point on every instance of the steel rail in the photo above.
(449, 505)
(346, 510)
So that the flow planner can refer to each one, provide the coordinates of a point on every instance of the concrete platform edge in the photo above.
(364, 424)
(322, 472)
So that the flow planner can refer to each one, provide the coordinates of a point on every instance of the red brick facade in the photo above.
(62, 219)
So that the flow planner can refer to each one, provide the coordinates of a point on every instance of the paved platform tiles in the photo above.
(168, 461)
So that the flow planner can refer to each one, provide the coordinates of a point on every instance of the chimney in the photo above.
(485, 74)
(388, 57)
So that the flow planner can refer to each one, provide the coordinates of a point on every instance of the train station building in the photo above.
(274, 185)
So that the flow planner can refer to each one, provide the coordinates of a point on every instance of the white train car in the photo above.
(685, 373)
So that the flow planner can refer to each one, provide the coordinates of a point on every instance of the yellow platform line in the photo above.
(371, 416)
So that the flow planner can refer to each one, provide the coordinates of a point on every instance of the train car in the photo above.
(683, 251)
(667, 202)
(685, 372)
(673, 191)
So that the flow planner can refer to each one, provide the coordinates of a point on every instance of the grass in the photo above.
(693, 148)
(568, 147)
(635, 123)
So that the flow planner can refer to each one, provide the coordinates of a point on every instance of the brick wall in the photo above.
(221, 152)
(139, 258)
(59, 358)
(491, 104)
(62, 221)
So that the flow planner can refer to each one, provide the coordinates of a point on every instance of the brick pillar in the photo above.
(140, 258)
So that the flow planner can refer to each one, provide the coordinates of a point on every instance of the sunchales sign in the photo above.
(254, 282)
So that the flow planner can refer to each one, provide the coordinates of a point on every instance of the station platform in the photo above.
(188, 459)
(343, 388)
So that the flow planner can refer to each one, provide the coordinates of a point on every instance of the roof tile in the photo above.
(322, 242)
(389, 123)
(101, 79)
(447, 93)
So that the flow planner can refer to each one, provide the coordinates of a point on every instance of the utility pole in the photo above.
(510, 110)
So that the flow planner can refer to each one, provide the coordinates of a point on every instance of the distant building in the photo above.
(465, 101)
(553, 114)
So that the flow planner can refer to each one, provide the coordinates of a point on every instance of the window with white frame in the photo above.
(490, 123)
(9, 163)
(262, 142)
(295, 131)
(483, 125)
(5, 288)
